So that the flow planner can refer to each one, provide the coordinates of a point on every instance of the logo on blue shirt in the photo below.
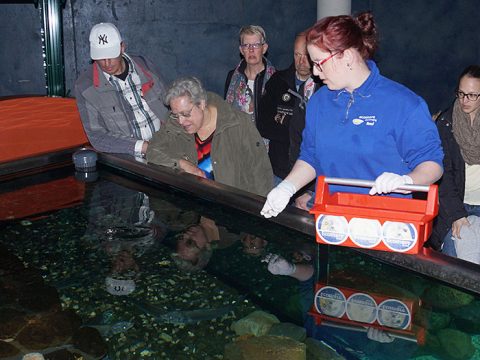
(369, 120)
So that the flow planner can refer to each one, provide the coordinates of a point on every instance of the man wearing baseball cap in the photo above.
(120, 98)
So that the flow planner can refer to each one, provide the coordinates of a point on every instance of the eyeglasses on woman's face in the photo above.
(183, 114)
(253, 46)
(471, 96)
(319, 64)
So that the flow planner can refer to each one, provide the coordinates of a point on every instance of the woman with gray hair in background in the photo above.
(245, 84)
(207, 137)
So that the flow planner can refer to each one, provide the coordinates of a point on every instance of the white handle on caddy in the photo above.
(362, 329)
(369, 183)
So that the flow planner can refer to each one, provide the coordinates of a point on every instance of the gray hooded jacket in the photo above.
(107, 116)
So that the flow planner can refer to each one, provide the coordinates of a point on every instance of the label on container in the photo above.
(365, 233)
(362, 308)
(119, 287)
(394, 313)
(332, 229)
(330, 301)
(399, 236)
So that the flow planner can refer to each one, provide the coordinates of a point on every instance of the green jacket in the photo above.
(239, 157)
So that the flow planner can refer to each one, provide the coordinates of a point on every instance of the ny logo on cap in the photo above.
(102, 39)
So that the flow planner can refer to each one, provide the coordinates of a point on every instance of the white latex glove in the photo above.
(379, 335)
(387, 182)
(277, 265)
(278, 198)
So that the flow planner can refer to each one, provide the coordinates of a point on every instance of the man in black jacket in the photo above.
(282, 110)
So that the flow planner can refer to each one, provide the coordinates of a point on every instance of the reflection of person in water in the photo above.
(124, 262)
(122, 224)
(253, 245)
(278, 265)
(298, 266)
(124, 271)
(195, 245)
(352, 339)
(194, 248)
(302, 268)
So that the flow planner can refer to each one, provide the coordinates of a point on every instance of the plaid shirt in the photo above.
(146, 123)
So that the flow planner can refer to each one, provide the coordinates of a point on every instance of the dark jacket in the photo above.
(107, 116)
(281, 119)
(258, 84)
(451, 185)
(239, 157)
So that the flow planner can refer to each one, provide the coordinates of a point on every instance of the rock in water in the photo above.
(265, 348)
(445, 297)
(456, 344)
(467, 318)
(7, 350)
(432, 320)
(317, 350)
(33, 356)
(290, 330)
(90, 341)
(257, 323)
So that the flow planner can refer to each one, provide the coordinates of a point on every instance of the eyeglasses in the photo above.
(176, 117)
(318, 64)
(252, 46)
(472, 97)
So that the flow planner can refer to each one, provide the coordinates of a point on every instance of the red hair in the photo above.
(339, 33)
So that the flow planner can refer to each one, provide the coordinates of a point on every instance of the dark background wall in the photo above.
(424, 44)
(21, 60)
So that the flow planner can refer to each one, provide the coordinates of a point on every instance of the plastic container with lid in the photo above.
(85, 160)
(373, 222)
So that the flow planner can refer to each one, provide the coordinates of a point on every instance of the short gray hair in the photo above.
(189, 266)
(252, 30)
(186, 86)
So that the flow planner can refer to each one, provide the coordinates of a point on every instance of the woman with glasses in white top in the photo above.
(459, 129)
(361, 125)
(246, 83)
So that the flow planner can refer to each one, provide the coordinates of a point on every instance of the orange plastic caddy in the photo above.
(356, 310)
(373, 222)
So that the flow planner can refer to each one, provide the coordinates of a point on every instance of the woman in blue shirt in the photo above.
(360, 125)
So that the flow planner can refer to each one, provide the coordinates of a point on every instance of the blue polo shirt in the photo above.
(381, 126)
